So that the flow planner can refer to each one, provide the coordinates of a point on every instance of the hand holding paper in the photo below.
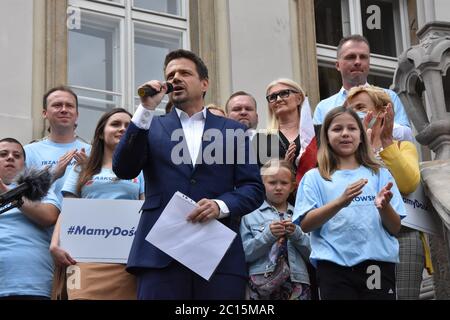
(198, 246)
(207, 210)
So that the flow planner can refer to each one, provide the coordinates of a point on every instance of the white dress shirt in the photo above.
(193, 131)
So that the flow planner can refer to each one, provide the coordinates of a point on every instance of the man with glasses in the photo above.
(61, 148)
(353, 63)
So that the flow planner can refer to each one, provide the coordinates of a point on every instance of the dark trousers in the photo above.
(369, 280)
(176, 282)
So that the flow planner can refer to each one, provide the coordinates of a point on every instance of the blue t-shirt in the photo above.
(26, 266)
(104, 185)
(47, 152)
(339, 98)
(355, 233)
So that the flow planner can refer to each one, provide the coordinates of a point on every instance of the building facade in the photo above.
(105, 49)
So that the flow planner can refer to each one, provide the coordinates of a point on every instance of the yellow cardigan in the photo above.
(402, 161)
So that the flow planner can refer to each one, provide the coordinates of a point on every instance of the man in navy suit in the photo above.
(225, 184)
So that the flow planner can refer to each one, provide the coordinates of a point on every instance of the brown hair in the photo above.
(12, 140)
(326, 157)
(202, 70)
(59, 88)
(95, 160)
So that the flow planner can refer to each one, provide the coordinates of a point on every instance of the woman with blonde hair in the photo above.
(401, 158)
(290, 119)
(285, 98)
(216, 110)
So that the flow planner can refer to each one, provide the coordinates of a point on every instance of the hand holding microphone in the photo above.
(151, 93)
(32, 184)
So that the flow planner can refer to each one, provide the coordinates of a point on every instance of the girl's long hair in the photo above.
(327, 159)
(95, 159)
(273, 121)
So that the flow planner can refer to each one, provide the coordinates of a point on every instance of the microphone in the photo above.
(32, 184)
(148, 91)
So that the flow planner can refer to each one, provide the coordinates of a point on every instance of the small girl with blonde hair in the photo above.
(268, 235)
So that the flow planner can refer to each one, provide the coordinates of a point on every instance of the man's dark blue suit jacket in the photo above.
(238, 185)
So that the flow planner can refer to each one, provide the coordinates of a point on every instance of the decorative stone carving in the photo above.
(421, 73)
(422, 81)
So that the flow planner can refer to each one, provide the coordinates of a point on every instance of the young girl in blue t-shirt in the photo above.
(352, 208)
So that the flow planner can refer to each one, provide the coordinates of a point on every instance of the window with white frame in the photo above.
(116, 46)
(383, 22)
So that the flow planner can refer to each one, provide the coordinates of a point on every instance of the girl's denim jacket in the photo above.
(258, 240)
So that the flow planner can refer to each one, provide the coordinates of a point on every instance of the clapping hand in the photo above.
(60, 169)
(387, 130)
(290, 153)
(352, 191)
(384, 197)
(373, 124)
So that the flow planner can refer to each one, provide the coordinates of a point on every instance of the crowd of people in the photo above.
(323, 237)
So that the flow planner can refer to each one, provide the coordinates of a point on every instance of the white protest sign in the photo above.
(419, 214)
(99, 230)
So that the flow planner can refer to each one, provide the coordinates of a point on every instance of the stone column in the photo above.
(419, 82)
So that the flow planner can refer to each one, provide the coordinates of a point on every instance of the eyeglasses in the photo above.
(283, 94)
(59, 106)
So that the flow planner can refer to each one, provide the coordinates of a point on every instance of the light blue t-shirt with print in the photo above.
(339, 98)
(26, 266)
(355, 233)
(47, 152)
(104, 185)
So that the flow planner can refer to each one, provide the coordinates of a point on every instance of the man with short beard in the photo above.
(353, 63)
(223, 190)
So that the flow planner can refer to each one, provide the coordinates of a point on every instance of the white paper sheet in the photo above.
(198, 246)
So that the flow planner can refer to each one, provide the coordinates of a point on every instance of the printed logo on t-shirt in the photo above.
(108, 179)
(55, 162)
(102, 178)
(363, 199)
